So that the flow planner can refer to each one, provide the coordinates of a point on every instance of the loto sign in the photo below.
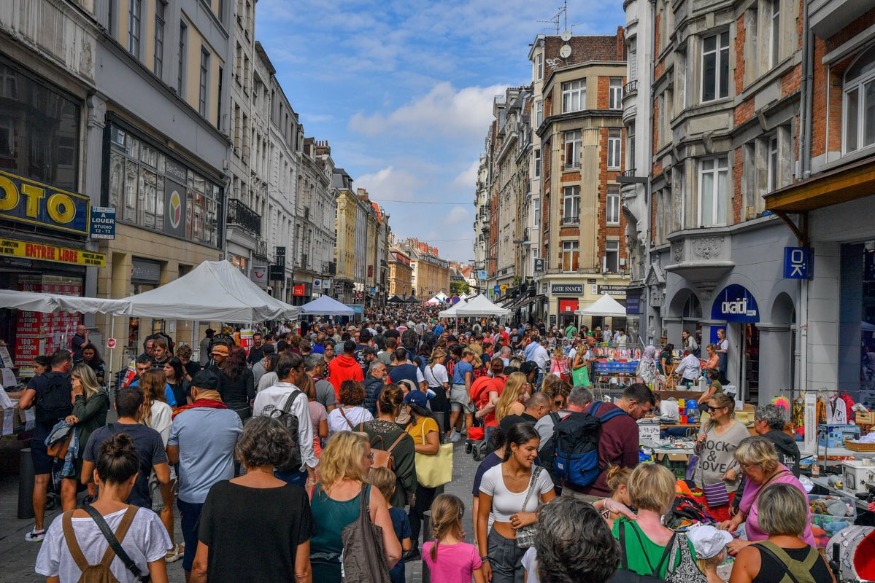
(28, 201)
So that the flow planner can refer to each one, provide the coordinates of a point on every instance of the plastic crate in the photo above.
(826, 525)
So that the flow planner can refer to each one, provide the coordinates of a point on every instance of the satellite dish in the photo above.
(566, 36)
(565, 51)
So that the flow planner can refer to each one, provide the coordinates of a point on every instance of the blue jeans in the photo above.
(297, 478)
(190, 513)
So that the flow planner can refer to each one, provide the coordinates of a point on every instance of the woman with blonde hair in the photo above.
(343, 470)
(717, 471)
(647, 544)
(90, 404)
(433, 376)
(516, 390)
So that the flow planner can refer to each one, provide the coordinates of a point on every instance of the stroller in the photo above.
(475, 444)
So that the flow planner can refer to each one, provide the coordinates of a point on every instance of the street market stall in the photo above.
(325, 306)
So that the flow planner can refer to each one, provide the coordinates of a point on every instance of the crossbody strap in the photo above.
(114, 540)
(662, 559)
(346, 418)
(535, 473)
(396, 442)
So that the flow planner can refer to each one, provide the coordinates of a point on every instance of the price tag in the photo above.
(648, 432)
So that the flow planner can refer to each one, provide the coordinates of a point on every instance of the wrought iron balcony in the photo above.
(243, 216)
(572, 220)
(260, 251)
(630, 88)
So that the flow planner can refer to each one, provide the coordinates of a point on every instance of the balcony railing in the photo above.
(243, 216)
(573, 220)
(260, 251)
(630, 88)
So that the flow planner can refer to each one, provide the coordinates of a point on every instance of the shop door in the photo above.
(749, 365)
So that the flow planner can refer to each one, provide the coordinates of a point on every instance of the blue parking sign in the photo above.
(797, 263)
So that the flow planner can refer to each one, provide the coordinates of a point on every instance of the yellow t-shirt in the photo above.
(422, 427)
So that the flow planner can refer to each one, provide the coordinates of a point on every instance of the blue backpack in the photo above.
(576, 443)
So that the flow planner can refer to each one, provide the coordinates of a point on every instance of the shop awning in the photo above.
(843, 184)
(48, 303)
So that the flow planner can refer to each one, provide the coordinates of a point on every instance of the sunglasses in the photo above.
(559, 403)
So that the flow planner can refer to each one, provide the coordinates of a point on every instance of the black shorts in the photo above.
(42, 463)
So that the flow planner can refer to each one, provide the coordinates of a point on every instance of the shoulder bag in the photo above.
(364, 558)
(434, 470)
(686, 570)
(525, 536)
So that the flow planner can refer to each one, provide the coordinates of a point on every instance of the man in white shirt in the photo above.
(290, 370)
(689, 369)
(541, 357)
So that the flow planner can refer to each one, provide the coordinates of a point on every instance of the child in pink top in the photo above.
(449, 558)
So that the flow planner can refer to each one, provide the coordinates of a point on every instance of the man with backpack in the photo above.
(604, 434)
(50, 394)
(287, 403)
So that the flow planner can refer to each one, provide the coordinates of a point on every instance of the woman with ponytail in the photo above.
(383, 432)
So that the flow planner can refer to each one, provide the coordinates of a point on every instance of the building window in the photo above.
(571, 205)
(572, 149)
(773, 164)
(612, 257)
(630, 146)
(775, 52)
(633, 59)
(570, 256)
(49, 155)
(539, 113)
(615, 93)
(204, 80)
(713, 177)
(614, 148)
(134, 14)
(859, 103)
(158, 65)
(180, 66)
(612, 205)
(143, 182)
(715, 66)
(112, 9)
(538, 163)
(536, 203)
(219, 98)
(573, 96)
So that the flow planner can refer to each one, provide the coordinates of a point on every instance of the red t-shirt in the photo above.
(497, 385)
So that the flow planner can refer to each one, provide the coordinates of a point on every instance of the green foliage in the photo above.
(458, 288)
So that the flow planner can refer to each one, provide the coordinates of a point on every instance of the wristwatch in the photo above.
(484, 558)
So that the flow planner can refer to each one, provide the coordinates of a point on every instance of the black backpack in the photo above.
(576, 440)
(290, 421)
(53, 403)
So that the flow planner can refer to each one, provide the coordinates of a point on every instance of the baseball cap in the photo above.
(220, 349)
(205, 380)
(416, 397)
(707, 540)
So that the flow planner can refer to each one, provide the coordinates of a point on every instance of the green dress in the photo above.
(330, 517)
(642, 554)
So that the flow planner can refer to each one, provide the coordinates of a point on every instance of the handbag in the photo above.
(383, 457)
(580, 377)
(434, 470)
(686, 571)
(525, 536)
(364, 558)
(58, 448)
(716, 494)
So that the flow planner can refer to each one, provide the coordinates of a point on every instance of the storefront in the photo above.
(735, 311)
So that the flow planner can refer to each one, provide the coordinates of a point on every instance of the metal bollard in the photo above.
(25, 486)
(426, 535)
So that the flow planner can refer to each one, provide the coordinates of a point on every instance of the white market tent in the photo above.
(48, 303)
(325, 306)
(605, 306)
(476, 307)
(214, 290)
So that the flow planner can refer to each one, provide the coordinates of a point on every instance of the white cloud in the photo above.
(458, 215)
(389, 184)
(444, 111)
(467, 178)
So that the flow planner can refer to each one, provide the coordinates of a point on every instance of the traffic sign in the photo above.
(110, 343)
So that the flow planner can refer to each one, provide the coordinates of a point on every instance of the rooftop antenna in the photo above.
(562, 12)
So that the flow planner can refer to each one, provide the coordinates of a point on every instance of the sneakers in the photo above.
(454, 436)
(35, 536)
(411, 555)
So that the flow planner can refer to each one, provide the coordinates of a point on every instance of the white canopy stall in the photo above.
(214, 290)
(475, 307)
(325, 306)
(605, 306)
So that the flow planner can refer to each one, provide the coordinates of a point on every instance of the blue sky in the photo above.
(403, 90)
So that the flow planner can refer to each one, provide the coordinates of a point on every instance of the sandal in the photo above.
(175, 554)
